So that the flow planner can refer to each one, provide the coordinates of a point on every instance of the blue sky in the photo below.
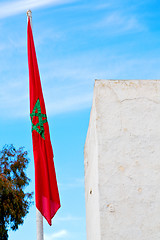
(76, 43)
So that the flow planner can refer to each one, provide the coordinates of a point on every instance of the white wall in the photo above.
(122, 161)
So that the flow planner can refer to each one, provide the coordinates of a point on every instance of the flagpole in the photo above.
(39, 221)
(39, 217)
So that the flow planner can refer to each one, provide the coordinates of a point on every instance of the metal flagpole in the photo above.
(39, 217)
(39, 221)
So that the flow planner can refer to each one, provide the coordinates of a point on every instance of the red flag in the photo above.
(46, 190)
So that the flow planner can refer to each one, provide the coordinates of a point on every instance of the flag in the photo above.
(46, 190)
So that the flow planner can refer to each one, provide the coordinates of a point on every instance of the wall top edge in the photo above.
(127, 83)
(120, 80)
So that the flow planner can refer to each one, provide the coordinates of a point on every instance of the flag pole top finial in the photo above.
(29, 14)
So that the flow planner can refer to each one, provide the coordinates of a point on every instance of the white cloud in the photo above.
(15, 7)
(69, 218)
(72, 91)
(102, 6)
(70, 103)
(58, 235)
(15, 102)
(13, 99)
(76, 183)
(118, 22)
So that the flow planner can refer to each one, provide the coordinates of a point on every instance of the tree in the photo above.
(14, 202)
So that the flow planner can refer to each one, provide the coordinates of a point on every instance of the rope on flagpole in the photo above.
(39, 217)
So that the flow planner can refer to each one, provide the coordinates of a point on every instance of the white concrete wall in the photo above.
(122, 161)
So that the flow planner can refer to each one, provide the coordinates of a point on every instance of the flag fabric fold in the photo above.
(46, 190)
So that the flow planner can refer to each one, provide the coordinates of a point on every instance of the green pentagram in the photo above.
(37, 113)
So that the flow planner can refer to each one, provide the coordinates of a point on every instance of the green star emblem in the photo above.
(37, 113)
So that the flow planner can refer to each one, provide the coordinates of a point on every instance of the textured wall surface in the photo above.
(122, 161)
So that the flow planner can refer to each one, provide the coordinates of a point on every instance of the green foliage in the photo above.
(14, 202)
